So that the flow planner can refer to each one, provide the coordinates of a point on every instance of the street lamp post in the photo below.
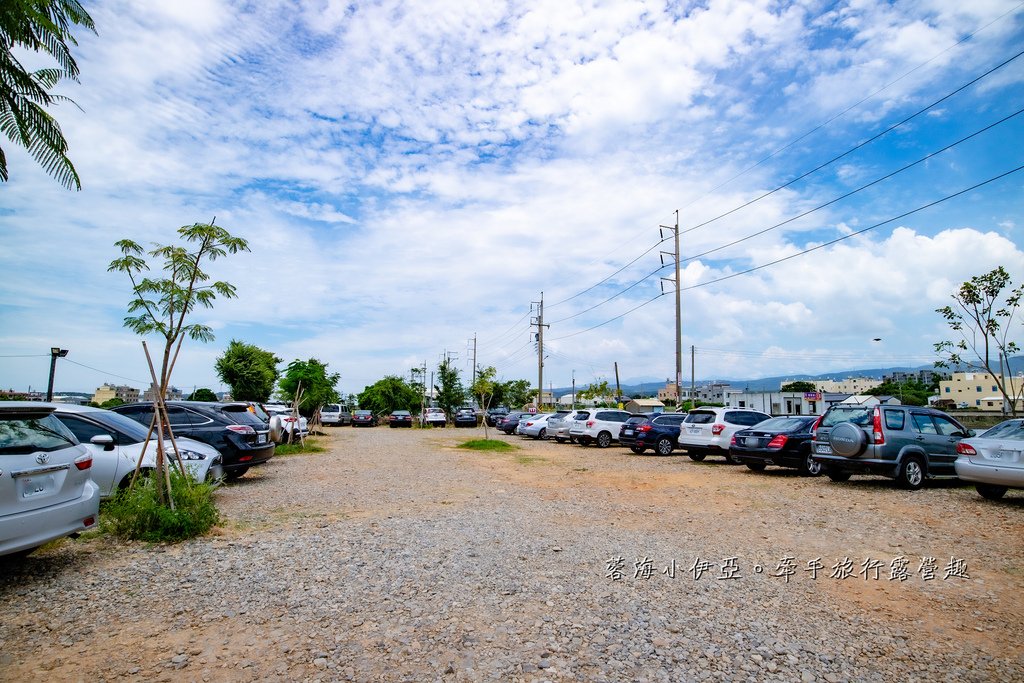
(55, 352)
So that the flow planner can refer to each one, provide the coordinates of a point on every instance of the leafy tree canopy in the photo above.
(389, 394)
(317, 385)
(112, 403)
(204, 394)
(912, 392)
(39, 26)
(250, 371)
(799, 385)
(449, 391)
(514, 393)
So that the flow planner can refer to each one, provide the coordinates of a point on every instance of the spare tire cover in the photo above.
(276, 429)
(847, 440)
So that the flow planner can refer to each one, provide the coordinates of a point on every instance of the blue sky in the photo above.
(409, 175)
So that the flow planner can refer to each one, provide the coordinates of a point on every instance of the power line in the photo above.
(598, 284)
(104, 372)
(856, 147)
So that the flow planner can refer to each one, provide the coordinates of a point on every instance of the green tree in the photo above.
(912, 392)
(799, 385)
(983, 315)
(483, 389)
(513, 393)
(203, 394)
(112, 403)
(317, 385)
(162, 305)
(449, 391)
(596, 391)
(39, 26)
(250, 371)
(388, 394)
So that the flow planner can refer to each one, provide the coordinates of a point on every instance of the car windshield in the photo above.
(34, 434)
(1011, 430)
(858, 415)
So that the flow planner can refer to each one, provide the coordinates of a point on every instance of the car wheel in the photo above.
(559, 439)
(235, 473)
(697, 457)
(664, 446)
(991, 491)
(637, 449)
(756, 466)
(910, 474)
(730, 459)
(809, 467)
(542, 434)
(838, 475)
(604, 440)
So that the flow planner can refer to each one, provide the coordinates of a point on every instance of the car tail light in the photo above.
(590, 423)
(732, 441)
(817, 423)
(965, 449)
(644, 428)
(779, 441)
(83, 462)
(529, 424)
(717, 429)
(877, 428)
(88, 521)
(241, 429)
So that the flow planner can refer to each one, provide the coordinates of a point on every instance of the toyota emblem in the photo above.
(43, 458)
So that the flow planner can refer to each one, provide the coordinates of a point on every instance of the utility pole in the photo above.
(574, 390)
(618, 391)
(679, 321)
(539, 322)
(693, 379)
(474, 360)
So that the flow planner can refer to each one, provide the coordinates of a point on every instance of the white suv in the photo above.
(598, 425)
(709, 430)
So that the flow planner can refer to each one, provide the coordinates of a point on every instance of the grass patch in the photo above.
(312, 445)
(135, 513)
(491, 445)
(528, 460)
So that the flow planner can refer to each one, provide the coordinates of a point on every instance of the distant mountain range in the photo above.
(649, 387)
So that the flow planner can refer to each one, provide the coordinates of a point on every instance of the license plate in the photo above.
(627, 432)
(822, 448)
(693, 430)
(261, 438)
(751, 441)
(36, 486)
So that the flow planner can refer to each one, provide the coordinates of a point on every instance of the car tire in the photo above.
(809, 467)
(542, 434)
(604, 440)
(559, 439)
(697, 457)
(838, 475)
(664, 446)
(910, 474)
(637, 449)
(235, 473)
(729, 458)
(756, 466)
(991, 491)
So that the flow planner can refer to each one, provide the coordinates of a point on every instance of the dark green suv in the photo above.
(905, 443)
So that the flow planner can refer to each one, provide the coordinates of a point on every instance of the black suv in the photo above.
(494, 415)
(660, 432)
(242, 438)
(905, 443)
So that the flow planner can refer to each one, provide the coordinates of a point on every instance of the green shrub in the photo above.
(135, 513)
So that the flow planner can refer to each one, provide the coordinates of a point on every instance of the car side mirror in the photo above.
(105, 440)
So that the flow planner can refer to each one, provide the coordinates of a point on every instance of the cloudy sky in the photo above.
(410, 176)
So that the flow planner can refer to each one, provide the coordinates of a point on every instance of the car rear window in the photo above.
(700, 417)
(858, 415)
(18, 437)
(1012, 430)
(242, 415)
(669, 419)
(745, 417)
(782, 424)
(331, 408)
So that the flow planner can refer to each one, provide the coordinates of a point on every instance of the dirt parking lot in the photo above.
(398, 556)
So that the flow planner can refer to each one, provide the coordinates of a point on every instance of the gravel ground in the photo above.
(398, 557)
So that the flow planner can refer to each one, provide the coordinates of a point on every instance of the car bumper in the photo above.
(241, 455)
(998, 475)
(32, 528)
(777, 458)
(885, 468)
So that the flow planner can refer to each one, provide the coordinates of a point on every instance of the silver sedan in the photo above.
(994, 460)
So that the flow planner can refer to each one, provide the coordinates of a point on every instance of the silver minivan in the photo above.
(46, 487)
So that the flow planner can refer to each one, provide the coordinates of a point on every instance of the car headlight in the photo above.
(192, 455)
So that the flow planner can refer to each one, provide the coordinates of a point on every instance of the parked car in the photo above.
(659, 433)
(559, 424)
(465, 417)
(284, 424)
(598, 425)
(535, 426)
(494, 415)
(510, 422)
(400, 418)
(242, 438)
(993, 460)
(364, 418)
(434, 417)
(46, 486)
(116, 442)
(334, 415)
(627, 432)
(708, 430)
(784, 441)
(905, 443)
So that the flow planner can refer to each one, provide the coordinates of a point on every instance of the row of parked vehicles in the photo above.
(58, 460)
(908, 444)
